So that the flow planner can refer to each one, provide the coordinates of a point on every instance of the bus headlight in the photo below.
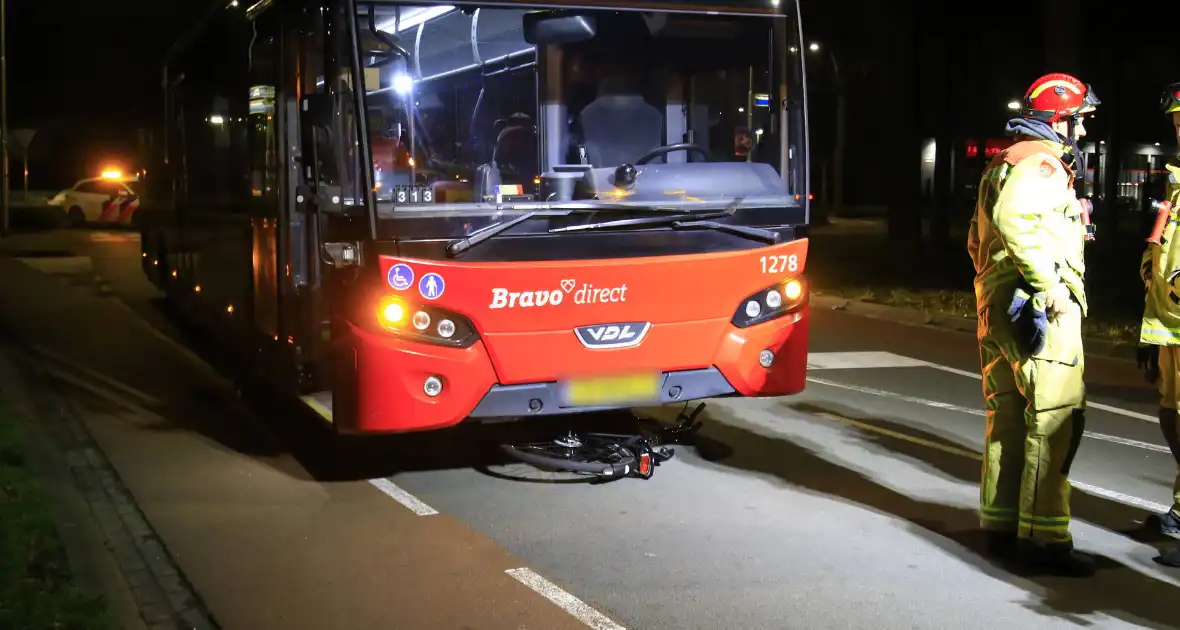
(417, 321)
(391, 313)
(774, 299)
(771, 303)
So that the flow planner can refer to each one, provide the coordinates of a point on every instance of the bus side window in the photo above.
(174, 177)
(261, 139)
(211, 107)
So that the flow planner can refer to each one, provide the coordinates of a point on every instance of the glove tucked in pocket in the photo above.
(1030, 322)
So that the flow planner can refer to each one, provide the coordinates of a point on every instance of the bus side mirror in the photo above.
(542, 28)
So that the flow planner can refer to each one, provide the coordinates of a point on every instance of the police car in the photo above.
(108, 198)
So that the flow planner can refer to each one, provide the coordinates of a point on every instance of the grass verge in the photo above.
(37, 591)
(861, 264)
(962, 304)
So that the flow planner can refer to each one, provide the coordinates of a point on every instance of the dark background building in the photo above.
(927, 85)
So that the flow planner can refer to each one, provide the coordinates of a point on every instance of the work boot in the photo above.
(1169, 557)
(1057, 559)
(1167, 523)
(1000, 544)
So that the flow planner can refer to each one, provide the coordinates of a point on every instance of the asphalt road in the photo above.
(848, 506)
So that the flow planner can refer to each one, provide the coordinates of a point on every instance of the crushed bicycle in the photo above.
(609, 455)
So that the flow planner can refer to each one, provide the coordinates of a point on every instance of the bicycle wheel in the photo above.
(597, 454)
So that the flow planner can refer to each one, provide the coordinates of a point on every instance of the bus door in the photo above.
(282, 274)
(316, 174)
(330, 219)
(265, 188)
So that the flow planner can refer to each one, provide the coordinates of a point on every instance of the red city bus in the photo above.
(554, 219)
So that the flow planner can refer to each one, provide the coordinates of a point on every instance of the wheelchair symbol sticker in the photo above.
(431, 286)
(401, 277)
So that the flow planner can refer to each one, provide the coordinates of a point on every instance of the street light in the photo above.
(838, 150)
(4, 200)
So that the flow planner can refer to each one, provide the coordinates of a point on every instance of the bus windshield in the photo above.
(472, 107)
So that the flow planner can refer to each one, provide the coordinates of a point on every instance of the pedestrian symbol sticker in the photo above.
(401, 277)
(431, 286)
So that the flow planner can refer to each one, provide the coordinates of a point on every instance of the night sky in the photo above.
(93, 52)
(85, 82)
(94, 75)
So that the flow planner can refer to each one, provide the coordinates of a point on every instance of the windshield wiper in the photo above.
(596, 206)
(458, 246)
(683, 221)
(663, 219)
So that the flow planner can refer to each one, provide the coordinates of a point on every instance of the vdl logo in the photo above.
(602, 336)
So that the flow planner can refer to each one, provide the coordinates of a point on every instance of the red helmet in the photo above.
(1055, 97)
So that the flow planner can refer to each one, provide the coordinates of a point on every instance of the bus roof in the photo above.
(728, 7)
(731, 7)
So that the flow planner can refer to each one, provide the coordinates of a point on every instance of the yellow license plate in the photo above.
(613, 390)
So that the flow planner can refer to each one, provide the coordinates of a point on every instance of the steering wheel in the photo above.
(664, 150)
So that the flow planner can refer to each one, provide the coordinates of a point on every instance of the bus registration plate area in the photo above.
(625, 389)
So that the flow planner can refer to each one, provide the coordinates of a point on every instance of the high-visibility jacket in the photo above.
(1159, 269)
(1027, 226)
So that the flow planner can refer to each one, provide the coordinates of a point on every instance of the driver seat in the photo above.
(514, 157)
(619, 126)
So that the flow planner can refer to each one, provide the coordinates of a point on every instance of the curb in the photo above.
(94, 569)
(942, 321)
(141, 581)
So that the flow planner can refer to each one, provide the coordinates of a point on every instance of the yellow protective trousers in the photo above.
(1169, 362)
(1035, 424)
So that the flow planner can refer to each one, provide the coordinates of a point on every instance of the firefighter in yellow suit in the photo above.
(1159, 334)
(1027, 241)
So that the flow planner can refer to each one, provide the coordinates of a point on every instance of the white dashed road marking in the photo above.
(411, 502)
(1112, 495)
(1107, 408)
(1114, 439)
(563, 599)
(567, 602)
(859, 360)
(868, 360)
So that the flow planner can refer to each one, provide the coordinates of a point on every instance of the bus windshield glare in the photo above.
(472, 107)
